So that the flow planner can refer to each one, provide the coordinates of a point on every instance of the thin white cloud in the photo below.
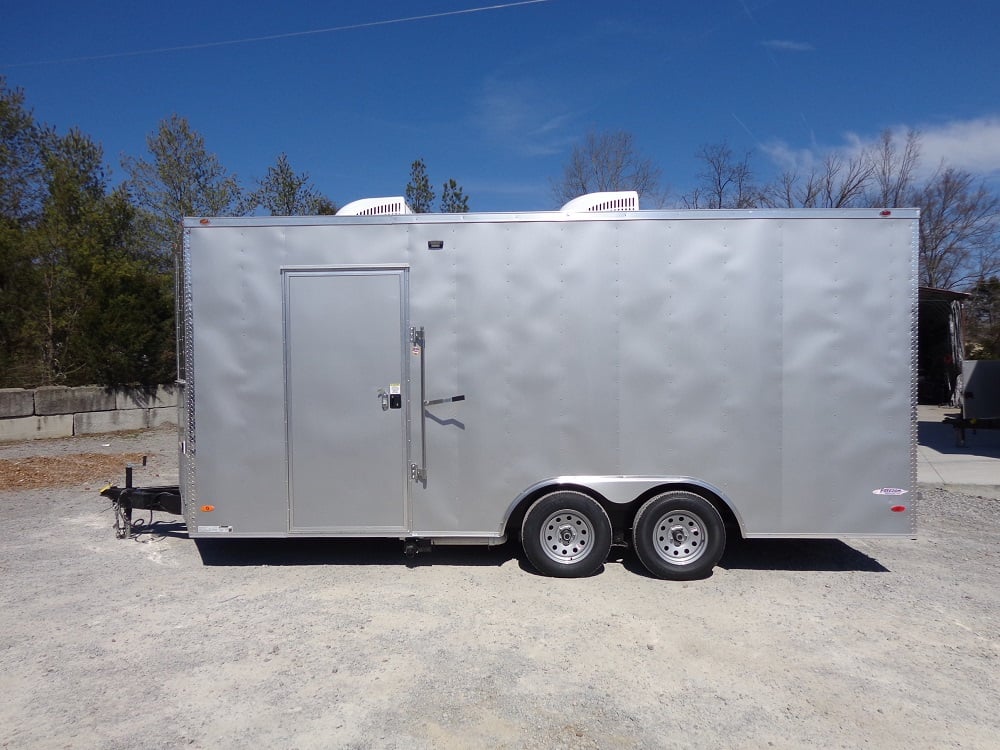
(523, 118)
(791, 159)
(970, 145)
(787, 45)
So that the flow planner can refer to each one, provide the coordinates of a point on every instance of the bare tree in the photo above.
(983, 320)
(893, 169)
(782, 192)
(838, 182)
(608, 161)
(845, 179)
(726, 181)
(959, 219)
(958, 230)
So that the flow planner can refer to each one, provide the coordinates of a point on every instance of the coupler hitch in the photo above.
(128, 498)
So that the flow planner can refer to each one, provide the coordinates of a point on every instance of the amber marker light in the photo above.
(204, 222)
(207, 508)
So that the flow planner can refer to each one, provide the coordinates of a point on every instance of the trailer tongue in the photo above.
(126, 499)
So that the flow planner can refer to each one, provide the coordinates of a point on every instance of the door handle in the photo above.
(384, 398)
(449, 400)
(419, 473)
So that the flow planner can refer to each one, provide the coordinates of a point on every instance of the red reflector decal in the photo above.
(897, 508)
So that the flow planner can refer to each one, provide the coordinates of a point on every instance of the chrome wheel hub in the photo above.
(566, 536)
(680, 537)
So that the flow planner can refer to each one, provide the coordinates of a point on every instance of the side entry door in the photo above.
(345, 380)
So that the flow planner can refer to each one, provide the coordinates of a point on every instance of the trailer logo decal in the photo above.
(892, 491)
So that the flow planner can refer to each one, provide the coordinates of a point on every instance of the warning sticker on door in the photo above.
(394, 389)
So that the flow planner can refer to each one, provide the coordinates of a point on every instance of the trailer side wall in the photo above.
(770, 355)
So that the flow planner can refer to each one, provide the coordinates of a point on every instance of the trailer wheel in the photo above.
(566, 534)
(679, 536)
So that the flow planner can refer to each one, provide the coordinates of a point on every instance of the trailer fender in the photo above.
(620, 491)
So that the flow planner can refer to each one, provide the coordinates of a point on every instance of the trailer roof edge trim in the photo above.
(550, 216)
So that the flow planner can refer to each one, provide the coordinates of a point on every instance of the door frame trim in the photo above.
(342, 269)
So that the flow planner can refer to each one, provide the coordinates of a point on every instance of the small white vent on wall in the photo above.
(625, 200)
(394, 206)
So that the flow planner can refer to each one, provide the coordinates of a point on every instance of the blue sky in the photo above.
(497, 98)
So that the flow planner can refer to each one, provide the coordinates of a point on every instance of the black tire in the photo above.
(679, 536)
(566, 535)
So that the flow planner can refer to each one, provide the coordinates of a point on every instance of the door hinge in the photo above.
(418, 474)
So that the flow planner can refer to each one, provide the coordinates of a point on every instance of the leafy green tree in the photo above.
(128, 321)
(79, 300)
(70, 228)
(103, 311)
(22, 145)
(453, 199)
(324, 206)
(180, 178)
(283, 192)
(419, 194)
(22, 168)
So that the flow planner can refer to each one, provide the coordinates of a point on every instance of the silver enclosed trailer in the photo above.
(573, 379)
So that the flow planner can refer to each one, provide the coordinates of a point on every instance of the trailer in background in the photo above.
(980, 399)
(575, 379)
(941, 346)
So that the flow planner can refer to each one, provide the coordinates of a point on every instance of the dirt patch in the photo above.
(35, 472)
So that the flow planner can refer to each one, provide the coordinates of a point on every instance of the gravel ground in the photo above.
(162, 642)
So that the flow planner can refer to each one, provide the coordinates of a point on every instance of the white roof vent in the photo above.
(625, 200)
(376, 207)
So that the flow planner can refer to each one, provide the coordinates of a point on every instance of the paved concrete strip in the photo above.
(941, 461)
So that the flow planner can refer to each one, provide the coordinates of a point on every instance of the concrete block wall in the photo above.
(26, 414)
(16, 402)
